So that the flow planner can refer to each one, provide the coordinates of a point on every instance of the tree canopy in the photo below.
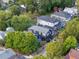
(69, 43)
(24, 42)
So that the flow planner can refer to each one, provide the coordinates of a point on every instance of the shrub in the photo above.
(23, 42)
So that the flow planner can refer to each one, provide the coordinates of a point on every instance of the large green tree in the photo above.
(15, 9)
(21, 22)
(24, 42)
(69, 43)
(54, 49)
(4, 16)
(72, 28)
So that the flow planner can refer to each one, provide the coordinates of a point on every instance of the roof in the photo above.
(63, 14)
(73, 54)
(40, 29)
(6, 54)
(10, 54)
(47, 18)
(71, 11)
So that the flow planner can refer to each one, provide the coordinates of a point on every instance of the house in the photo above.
(10, 54)
(73, 11)
(2, 35)
(73, 54)
(47, 21)
(42, 32)
(63, 16)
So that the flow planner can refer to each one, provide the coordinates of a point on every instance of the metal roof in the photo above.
(47, 18)
(40, 29)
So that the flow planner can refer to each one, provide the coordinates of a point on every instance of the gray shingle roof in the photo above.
(7, 54)
(10, 54)
(63, 14)
(40, 29)
(47, 18)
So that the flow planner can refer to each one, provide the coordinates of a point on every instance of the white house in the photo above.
(73, 11)
(47, 21)
(63, 16)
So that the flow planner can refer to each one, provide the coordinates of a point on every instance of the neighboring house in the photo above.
(73, 54)
(63, 16)
(47, 21)
(2, 35)
(73, 11)
(10, 54)
(41, 32)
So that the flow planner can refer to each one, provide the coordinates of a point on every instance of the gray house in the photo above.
(47, 21)
(41, 32)
(63, 16)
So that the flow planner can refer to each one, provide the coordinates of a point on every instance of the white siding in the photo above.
(45, 23)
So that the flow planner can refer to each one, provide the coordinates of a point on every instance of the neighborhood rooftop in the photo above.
(48, 19)
(62, 14)
(40, 29)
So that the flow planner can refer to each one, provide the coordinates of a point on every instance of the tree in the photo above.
(69, 43)
(72, 29)
(77, 3)
(21, 22)
(4, 16)
(68, 3)
(39, 57)
(54, 49)
(24, 42)
(15, 9)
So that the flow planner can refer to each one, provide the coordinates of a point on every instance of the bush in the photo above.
(23, 42)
